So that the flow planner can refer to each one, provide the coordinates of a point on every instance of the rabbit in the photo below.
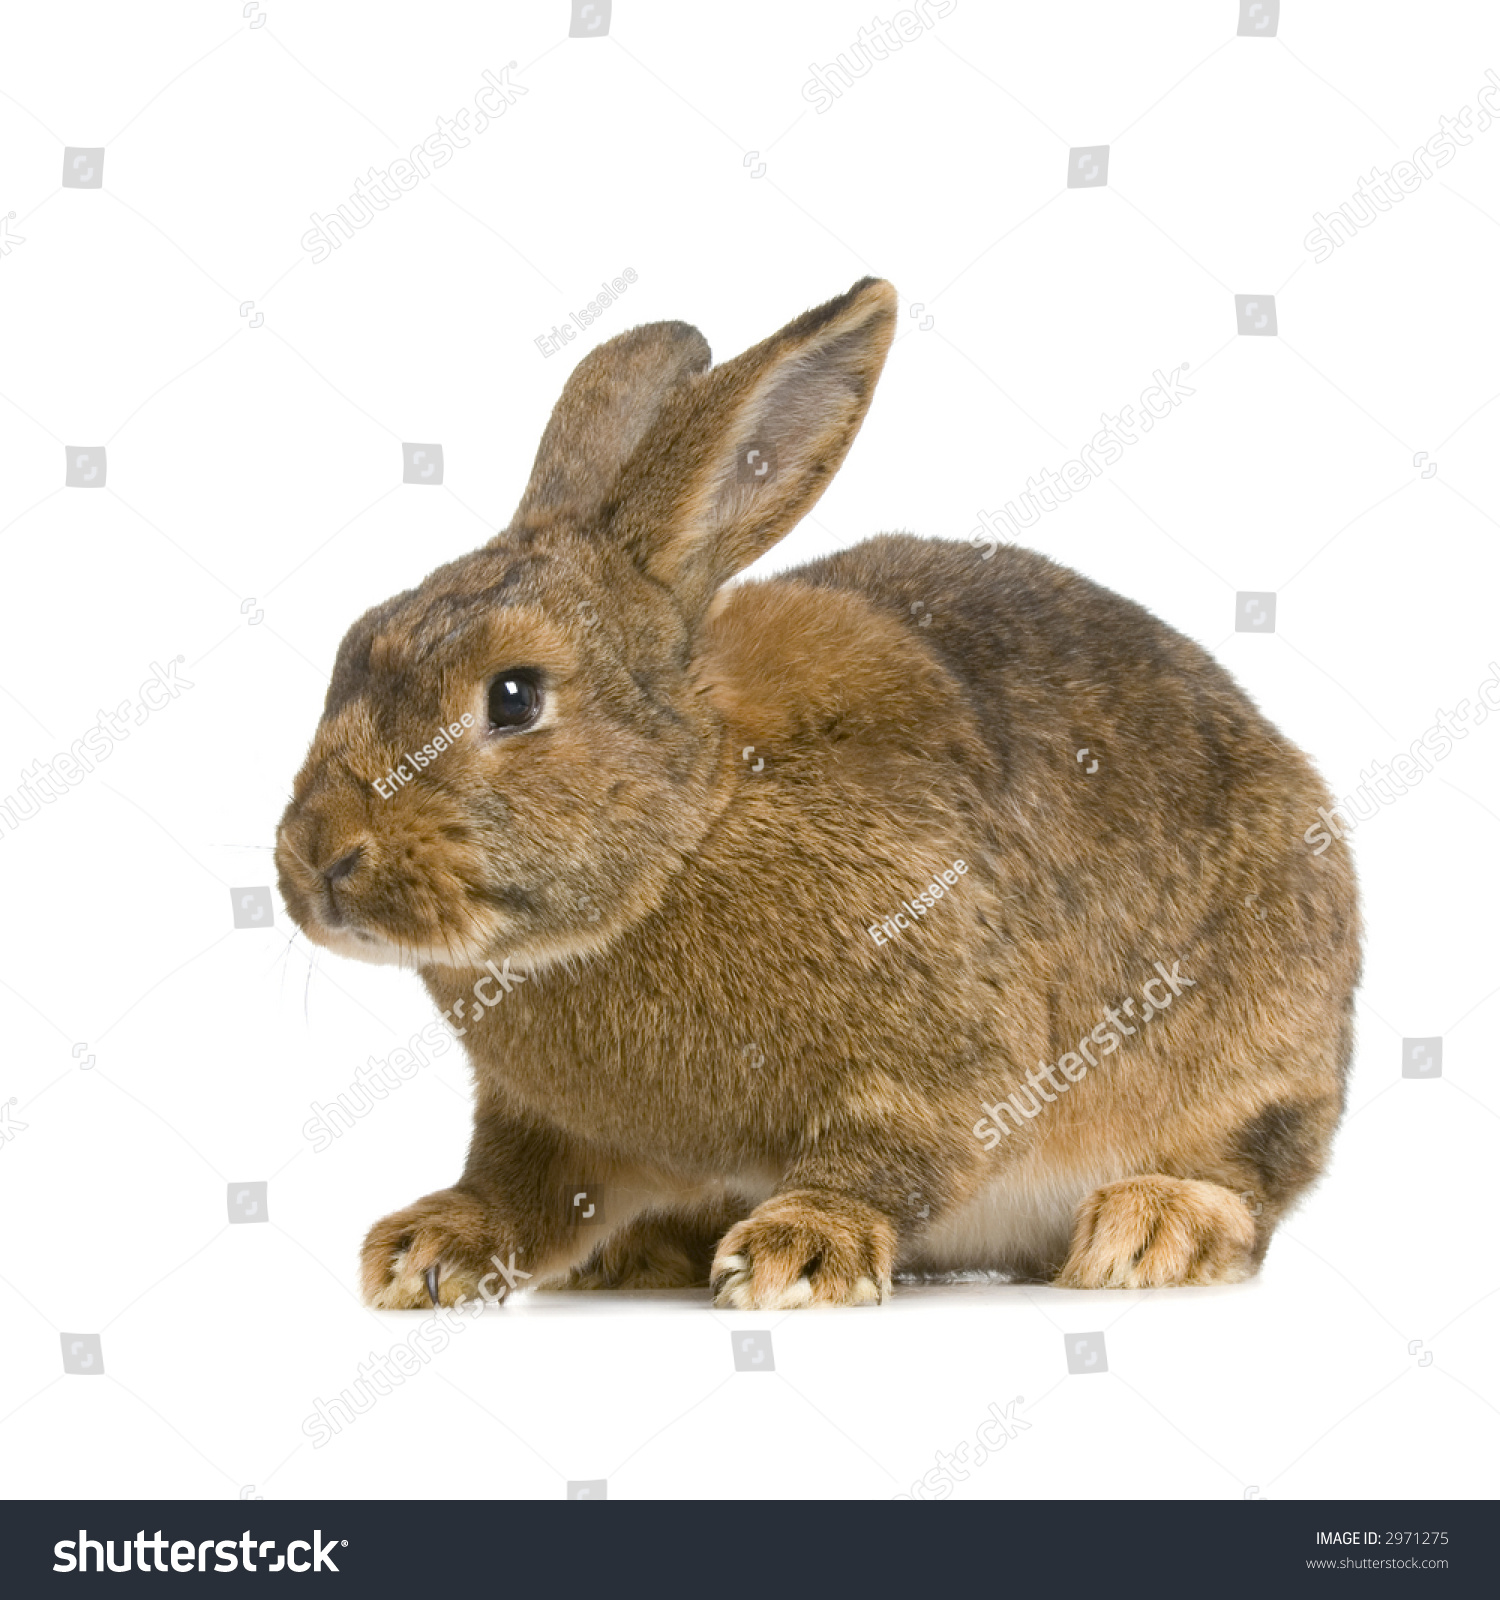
(903, 913)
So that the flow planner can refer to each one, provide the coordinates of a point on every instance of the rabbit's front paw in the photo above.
(1153, 1232)
(434, 1252)
(805, 1248)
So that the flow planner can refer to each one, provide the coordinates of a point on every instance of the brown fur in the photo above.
(659, 1250)
(707, 1034)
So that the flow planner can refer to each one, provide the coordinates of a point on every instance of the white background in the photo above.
(258, 470)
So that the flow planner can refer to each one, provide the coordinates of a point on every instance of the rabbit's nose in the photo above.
(344, 865)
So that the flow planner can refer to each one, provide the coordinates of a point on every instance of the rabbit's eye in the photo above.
(515, 700)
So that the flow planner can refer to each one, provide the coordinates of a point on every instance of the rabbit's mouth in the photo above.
(357, 945)
(402, 899)
(333, 916)
(353, 892)
(380, 950)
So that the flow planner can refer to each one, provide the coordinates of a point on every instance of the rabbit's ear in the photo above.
(740, 454)
(603, 413)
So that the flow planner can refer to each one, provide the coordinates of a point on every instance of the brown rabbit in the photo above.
(907, 911)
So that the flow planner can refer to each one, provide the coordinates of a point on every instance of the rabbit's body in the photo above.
(751, 1013)
(737, 1034)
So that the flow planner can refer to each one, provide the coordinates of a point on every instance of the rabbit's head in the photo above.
(515, 756)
